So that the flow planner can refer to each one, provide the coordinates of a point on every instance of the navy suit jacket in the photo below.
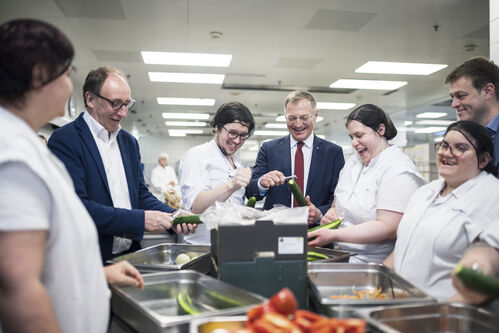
(74, 145)
(325, 166)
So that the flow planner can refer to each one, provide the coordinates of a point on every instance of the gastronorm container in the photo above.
(426, 318)
(155, 308)
(162, 257)
(334, 255)
(208, 325)
(333, 279)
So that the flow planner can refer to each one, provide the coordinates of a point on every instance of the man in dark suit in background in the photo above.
(315, 162)
(104, 163)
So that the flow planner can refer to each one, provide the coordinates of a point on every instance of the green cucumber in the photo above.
(221, 301)
(251, 202)
(485, 284)
(194, 219)
(331, 225)
(185, 304)
(300, 199)
(316, 255)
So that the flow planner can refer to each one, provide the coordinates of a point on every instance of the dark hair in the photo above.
(233, 112)
(480, 71)
(477, 135)
(25, 44)
(96, 78)
(372, 116)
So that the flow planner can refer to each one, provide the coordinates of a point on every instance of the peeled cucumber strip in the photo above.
(251, 202)
(485, 284)
(222, 301)
(185, 304)
(300, 199)
(187, 219)
(331, 225)
(316, 255)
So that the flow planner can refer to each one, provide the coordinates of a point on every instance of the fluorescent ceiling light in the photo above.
(196, 116)
(431, 129)
(186, 123)
(407, 123)
(334, 106)
(385, 67)
(406, 129)
(186, 101)
(275, 125)
(186, 59)
(186, 77)
(183, 132)
(271, 133)
(431, 115)
(435, 122)
(438, 139)
(282, 118)
(368, 84)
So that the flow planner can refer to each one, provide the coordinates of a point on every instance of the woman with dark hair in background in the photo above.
(373, 189)
(51, 275)
(446, 216)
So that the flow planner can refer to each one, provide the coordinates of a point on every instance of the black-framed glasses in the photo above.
(234, 134)
(456, 149)
(117, 104)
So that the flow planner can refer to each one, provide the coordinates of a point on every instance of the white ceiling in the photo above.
(286, 43)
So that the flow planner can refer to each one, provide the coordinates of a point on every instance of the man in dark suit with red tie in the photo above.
(315, 162)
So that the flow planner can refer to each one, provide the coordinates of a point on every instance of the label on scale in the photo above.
(290, 245)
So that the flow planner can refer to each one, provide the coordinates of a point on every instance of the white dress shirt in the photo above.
(110, 154)
(203, 168)
(160, 181)
(435, 231)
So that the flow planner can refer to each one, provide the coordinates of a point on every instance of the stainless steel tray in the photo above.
(162, 257)
(434, 318)
(331, 279)
(155, 308)
(334, 255)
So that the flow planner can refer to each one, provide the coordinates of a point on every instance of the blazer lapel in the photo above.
(284, 155)
(314, 163)
(89, 142)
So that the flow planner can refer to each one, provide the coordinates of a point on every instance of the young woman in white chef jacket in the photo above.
(444, 217)
(373, 189)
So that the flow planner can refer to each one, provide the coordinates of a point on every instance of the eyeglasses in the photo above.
(293, 119)
(457, 149)
(234, 134)
(117, 104)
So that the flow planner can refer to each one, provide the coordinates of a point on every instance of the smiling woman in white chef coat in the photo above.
(373, 189)
(444, 217)
(51, 274)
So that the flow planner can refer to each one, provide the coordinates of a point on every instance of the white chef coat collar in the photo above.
(460, 191)
(98, 130)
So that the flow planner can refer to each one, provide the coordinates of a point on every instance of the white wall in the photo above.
(494, 30)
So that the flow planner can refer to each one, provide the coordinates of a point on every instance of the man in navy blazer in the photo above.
(323, 161)
(104, 163)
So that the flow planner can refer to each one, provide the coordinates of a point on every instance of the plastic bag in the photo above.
(233, 214)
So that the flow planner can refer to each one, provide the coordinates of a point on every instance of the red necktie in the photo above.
(299, 169)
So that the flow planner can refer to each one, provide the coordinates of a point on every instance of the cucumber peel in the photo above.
(316, 255)
(222, 301)
(185, 304)
(331, 225)
(485, 284)
(194, 219)
(297, 193)
(251, 202)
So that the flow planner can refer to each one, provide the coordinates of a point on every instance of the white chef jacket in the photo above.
(160, 181)
(202, 168)
(36, 193)
(435, 231)
(386, 183)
